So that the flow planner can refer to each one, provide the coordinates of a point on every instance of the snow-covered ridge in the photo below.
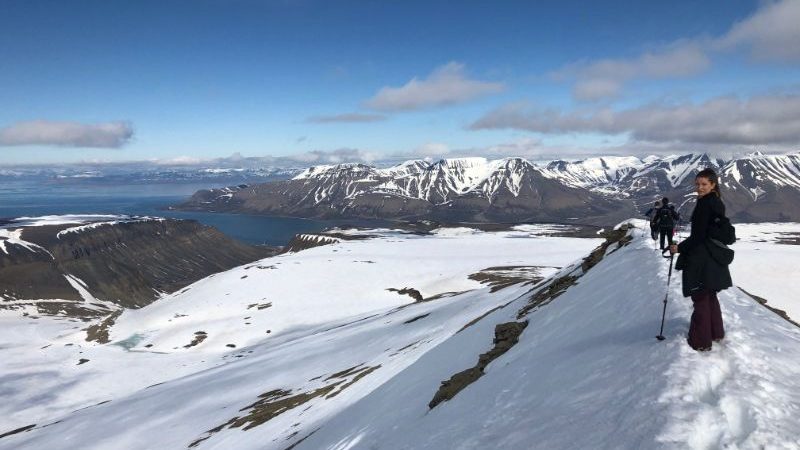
(236, 360)
(122, 219)
(64, 219)
(752, 172)
(592, 171)
(356, 169)
(84, 222)
(435, 182)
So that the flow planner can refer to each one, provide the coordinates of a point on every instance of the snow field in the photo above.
(309, 292)
(587, 371)
(767, 269)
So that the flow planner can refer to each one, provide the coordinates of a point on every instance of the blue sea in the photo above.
(26, 198)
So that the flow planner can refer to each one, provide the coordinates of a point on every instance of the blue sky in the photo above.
(324, 81)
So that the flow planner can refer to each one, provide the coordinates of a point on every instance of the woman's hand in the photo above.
(673, 249)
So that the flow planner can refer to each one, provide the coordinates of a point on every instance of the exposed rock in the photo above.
(259, 306)
(502, 277)
(302, 242)
(277, 401)
(619, 237)
(411, 292)
(789, 239)
(99, 332)
(199, 336)
(777, 311)
(18, 430)
(479, 318)
(615, 239)
(544, 296)
(416, 318)
(506, 335)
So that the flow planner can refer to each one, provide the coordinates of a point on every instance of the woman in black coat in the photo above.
(702, 276)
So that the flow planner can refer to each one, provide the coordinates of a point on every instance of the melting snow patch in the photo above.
(14, 237)
(455, 232)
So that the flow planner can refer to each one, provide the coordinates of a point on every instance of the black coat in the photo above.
(669, 219)
(701, 271)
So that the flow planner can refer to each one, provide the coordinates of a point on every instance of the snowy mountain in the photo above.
(466, 189)
(517, 340)
(599, 190)
(763, 186)
(630, 176)
(437, 182)
(605, 173)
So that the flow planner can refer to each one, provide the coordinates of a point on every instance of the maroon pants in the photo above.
(706, 324)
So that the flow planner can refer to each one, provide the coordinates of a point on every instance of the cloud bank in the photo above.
(67, 134)
(447, 85)
(771, 34)
(766, 119)
(605, 78)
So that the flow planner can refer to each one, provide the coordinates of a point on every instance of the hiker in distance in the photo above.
(666, 218)
(703, 276)
(652, 214)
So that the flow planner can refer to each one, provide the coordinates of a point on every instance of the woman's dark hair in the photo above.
(712, 177)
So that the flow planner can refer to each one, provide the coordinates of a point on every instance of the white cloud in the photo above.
(760, 120)
(596, 88)
(447, 85)
(431, 149)
(338, 156)
(772, 33)
(605, 78)
(67, 134)
(179, 161)
(237, 160)
(347, 118)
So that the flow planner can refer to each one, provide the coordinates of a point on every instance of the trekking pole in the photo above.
(660, 336)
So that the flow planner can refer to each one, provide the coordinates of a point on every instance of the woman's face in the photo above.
(703, 186)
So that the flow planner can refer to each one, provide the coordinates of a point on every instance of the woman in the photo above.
(702, 276)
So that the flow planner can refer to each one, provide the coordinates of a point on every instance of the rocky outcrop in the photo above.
(506, 335)
(128, 263)
(302, 242)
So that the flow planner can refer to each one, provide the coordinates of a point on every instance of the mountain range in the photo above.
(756, 188)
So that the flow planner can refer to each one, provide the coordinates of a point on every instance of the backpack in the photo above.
(722, 230)
(664, 217)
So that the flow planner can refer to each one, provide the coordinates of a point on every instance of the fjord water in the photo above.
(28, 198)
